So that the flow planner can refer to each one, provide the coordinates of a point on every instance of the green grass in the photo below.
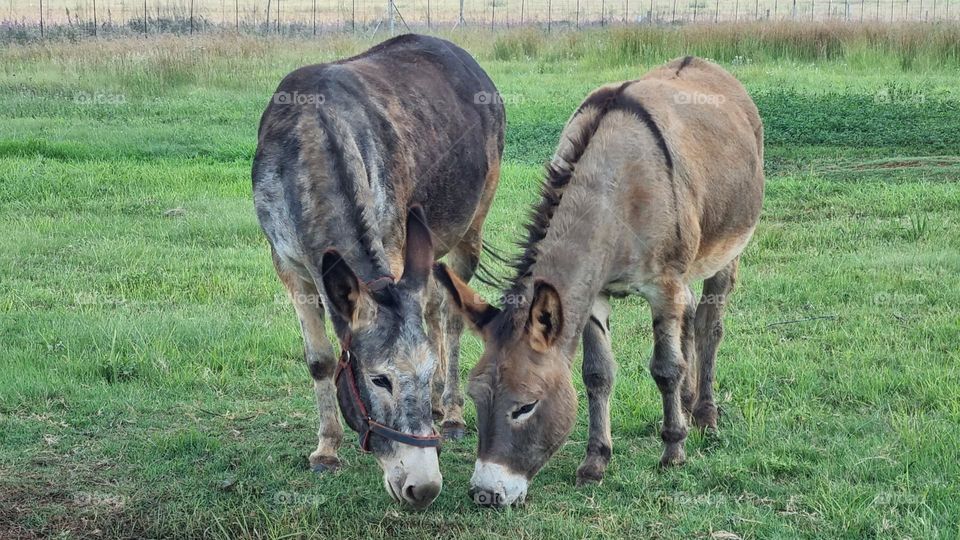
(152, 379)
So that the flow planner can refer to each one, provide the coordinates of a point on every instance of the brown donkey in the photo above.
(357, 162)
(656, 183)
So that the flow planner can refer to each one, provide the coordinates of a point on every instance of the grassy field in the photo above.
(152, 381)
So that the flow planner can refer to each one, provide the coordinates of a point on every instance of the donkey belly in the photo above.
(716, 255)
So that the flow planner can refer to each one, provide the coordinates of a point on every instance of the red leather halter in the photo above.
(372, 426)
(345, 366)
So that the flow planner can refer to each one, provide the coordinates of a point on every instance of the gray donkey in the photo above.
(656, 183)
(358, 162)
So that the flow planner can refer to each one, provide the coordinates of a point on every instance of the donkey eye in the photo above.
(526, 409)
(383, 382)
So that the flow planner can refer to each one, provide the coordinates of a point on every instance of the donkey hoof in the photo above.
(705, 417)
(589, 474)
(673, 455)
(324, 464)
(452, 430)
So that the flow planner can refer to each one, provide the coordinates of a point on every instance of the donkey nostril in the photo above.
(421, 495)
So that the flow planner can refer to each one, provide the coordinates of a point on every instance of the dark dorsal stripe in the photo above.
(603, 100)
(631, 105)
(686, 62)
(348, 186)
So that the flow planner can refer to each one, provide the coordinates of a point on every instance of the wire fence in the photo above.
(96, 17)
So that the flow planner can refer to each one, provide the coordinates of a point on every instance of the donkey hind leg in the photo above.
(709, 333)
(598, 375)
(321, 363)
(463, 259)
(668, 366)
(688, 392)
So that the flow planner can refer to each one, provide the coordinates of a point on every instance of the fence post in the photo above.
(461, 22)
(191, 17)
(696, 4)
(94, 18)
(144, 17)
(41, 18)
(794, 16)
(578, 14)
(716, 14)
(390, 15)
(673, 17)
(736, 11)
(266, 23)
(756, 11)
(602, 11)
(278, 17)
(493, 13)
(549, 15)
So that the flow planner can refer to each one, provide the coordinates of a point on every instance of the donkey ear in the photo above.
(419, 250)
(546, 317)
(347, 299)
(470, 304)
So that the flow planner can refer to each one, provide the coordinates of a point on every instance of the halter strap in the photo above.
(372, 426)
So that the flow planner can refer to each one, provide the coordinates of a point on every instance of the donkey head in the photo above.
(383, 379)
(526, 404)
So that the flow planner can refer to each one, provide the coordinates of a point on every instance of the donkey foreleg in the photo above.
(321, 362)
(598, 375)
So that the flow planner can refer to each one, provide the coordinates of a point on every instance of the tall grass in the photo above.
(912, 44)
(149, 66)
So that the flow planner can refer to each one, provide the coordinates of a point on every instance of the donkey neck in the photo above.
(574, 255)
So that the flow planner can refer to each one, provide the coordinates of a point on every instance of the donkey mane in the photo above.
(559, 175)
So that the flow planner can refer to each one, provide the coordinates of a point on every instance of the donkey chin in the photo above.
(412, 475)
(495, 485)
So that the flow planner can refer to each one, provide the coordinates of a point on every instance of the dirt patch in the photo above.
(35, 506)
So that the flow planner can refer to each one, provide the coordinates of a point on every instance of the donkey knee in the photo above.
(667, 372)
(599, 381)
(707, 329)
(321, 369)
